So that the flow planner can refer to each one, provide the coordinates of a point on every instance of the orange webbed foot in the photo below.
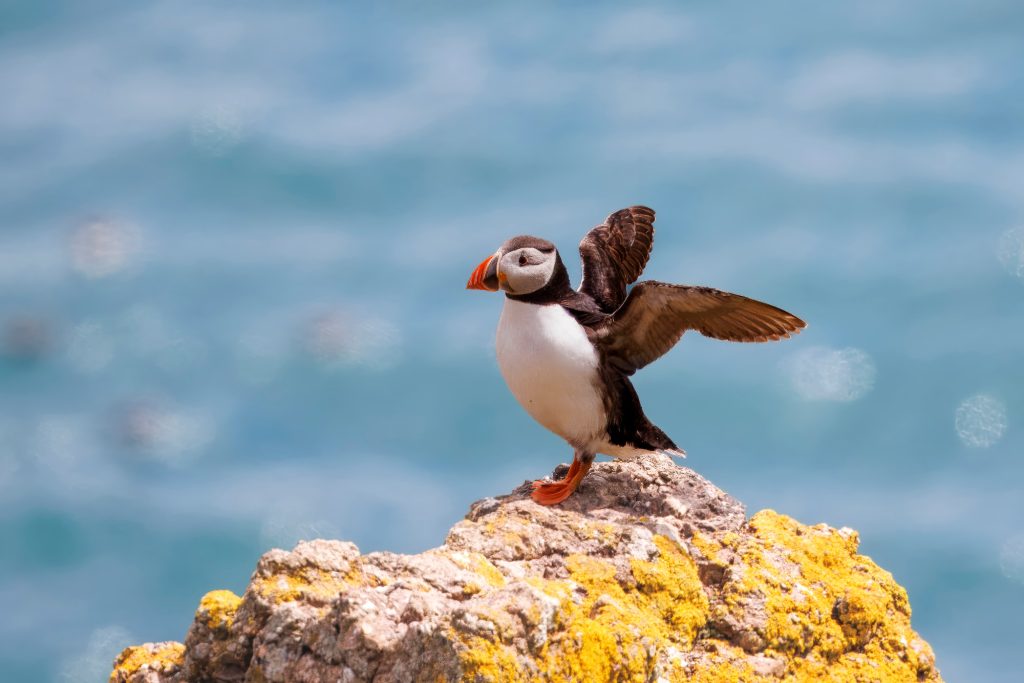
(554, 492)
(551, 493)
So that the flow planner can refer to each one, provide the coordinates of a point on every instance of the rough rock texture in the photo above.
(648, 573)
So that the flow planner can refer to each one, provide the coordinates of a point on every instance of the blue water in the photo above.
(234, 239)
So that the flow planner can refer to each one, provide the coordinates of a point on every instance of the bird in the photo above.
(567, 354)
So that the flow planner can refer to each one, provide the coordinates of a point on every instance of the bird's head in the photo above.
(521, 266)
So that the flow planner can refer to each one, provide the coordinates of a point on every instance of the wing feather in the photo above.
(655, 316)
(614, 255)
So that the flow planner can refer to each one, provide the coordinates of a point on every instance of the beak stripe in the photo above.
(485, 276)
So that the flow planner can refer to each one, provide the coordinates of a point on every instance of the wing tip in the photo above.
(645, 212)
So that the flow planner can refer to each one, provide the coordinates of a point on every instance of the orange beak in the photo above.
(485, 276)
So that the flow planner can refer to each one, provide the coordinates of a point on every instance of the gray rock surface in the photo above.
(648, 573)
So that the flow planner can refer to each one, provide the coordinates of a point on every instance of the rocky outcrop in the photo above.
(648, 573)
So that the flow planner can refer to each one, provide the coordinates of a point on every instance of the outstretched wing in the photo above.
(655, 316)
(614, 254)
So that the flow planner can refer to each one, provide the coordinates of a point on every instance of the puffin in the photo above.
(567, 354)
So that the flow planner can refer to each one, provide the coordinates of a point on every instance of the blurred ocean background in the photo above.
(234, 239)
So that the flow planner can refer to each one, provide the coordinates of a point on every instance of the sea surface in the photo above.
(234, 240)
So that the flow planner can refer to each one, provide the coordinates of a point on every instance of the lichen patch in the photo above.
(161, 658)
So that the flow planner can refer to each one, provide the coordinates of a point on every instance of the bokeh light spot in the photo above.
(981, 420)
(1011, 251)
(326, 337)
(102, 247)
(335, 340)
(163, 434)
(825, 374)
(1011, 558)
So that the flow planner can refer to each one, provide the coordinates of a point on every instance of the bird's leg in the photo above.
(551, 492)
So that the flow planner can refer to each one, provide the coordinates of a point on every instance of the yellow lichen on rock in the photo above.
(485, 659)
(480, 565)
(673, 589)
(217, 609)
(305, 583)
(614, 632)
(315, 572)
(607, 627)
(829, 611)
(165, 658)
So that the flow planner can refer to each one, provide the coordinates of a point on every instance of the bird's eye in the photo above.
(522, 259)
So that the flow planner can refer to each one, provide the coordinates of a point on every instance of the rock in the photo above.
(149, 663)
(648, 573)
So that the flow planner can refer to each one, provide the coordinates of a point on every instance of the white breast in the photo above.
(551, 368)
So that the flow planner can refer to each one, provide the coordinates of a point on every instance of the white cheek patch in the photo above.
(530, 277)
